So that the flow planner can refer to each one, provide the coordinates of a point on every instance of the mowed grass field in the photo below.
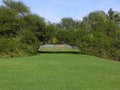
(59, 72)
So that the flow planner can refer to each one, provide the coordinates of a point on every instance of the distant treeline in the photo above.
(22, 32)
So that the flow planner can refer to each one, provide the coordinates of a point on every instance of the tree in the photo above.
(35, 23)
(11, 14)
(9, 23)
(18, 29)
(98, 20)
(17, 7)
(114, 15)
(49, 34)
(67, 23)
(111, 14)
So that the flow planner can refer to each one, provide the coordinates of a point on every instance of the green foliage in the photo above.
(67, 23)
(49, 34)
(9, 23)
(9, 47)
(17, 7)
(29, 39)
(97, 34)
(54, 40)
(15, 39)
(114, 15)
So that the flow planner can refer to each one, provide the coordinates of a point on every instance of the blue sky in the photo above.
(54, 10)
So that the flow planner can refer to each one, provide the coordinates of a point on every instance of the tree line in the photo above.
(22, 32)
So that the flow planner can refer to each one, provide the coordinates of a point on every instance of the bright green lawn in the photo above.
(59, 72)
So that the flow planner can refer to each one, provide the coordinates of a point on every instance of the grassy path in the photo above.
(59, 72)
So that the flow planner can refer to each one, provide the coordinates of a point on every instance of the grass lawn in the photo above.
(58, 48)
(59, 72)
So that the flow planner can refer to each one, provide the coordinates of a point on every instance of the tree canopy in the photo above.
(22, 32)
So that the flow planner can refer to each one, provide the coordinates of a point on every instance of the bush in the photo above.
(12, 47)
(29, 40)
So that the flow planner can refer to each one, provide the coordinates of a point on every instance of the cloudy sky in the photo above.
(54, 10)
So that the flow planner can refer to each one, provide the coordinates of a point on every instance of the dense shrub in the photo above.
(12, 47)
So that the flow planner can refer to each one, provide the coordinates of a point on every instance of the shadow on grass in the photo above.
(60, 52)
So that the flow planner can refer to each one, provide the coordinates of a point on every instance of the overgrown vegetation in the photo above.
(22, 32)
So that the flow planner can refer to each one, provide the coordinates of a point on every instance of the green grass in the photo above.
(58, 48)
(59, 72)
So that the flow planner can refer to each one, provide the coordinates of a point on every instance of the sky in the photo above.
(54, 10)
